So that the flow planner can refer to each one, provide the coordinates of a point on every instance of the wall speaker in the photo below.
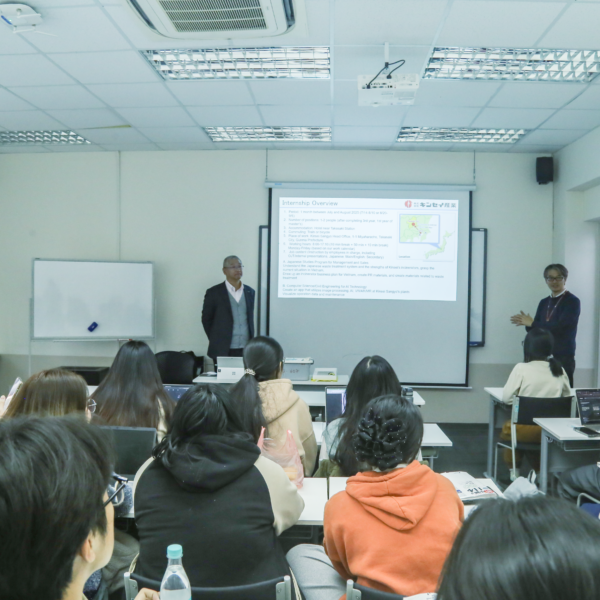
(544, 169)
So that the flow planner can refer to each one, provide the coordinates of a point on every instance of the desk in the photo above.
(563, 447)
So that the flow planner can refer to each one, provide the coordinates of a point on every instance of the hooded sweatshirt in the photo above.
(284, 409)
(224, 503)
(392, 531)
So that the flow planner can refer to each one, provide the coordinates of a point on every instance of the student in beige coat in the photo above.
(282, 408)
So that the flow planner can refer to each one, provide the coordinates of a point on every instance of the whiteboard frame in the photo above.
(263, 275)
(89, 339)
(479, 277)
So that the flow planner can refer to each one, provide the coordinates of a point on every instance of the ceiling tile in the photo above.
(53, 3)
(378, 21)
(437, 147)
(99, 117)
(553, 136)
(380, 116)
(74, 148)
(211, 93)
(536, 149)
(525, 118)
(30, 69)
(589, 99)
(114, 136)
(23, 149)
(107, 67)
(352, 61)
(58, 96)
(307, 116)
(497, 23)
(428, 116)
(125, 95)
(437, 92)
(176, 134)
(345, 93)
(170, 146)
(535, 95)
(369, 135)
(577, 28)
(14, 44)
(131, 147)
(291, 91)
(226, 116)
(9, 101)
(156, 117)
(574, 119)
(28, 120)
(76, 29)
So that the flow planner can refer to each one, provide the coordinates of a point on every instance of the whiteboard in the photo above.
(70, 295)
(478, 285)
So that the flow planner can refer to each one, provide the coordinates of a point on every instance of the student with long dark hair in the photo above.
(132, 393)
(540, 375)
(394, 525)
(282, 408)
(208, 488)
(372, 377)
(535, 548)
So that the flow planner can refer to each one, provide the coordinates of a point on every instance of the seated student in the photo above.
(534, 548)
(539, 376)
(282, 408)
(209, 489)
(132, 393)
(394, 525)
(55, 392)
(56, 518)
(372, 377)
(585, 479)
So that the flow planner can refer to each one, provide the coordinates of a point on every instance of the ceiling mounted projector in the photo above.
(388, 90)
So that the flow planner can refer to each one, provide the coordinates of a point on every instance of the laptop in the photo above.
(335, 403)
(230, 362)
(176, 390)
(588, 404)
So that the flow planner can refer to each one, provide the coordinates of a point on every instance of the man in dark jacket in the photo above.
(228, 312)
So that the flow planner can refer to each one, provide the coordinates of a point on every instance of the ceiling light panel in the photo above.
(269, 134)
(41, 137)
(241, 63)
(458, 135)
(513, 64)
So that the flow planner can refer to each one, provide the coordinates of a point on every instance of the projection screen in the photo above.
(357, 270)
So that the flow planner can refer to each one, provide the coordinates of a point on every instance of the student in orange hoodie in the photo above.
(394, 525)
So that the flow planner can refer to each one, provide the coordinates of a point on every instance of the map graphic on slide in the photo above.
(442, 247)
(420, 229)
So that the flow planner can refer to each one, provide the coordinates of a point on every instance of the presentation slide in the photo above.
(361, 248)
(356, 271)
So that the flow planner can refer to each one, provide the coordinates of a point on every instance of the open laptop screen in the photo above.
(335, 403)
(588, 402)
(176, 391)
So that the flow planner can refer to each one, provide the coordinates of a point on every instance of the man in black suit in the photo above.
(228, 312)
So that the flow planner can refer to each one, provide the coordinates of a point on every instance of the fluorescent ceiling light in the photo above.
(41, 137)
(241, 63)
(269, 134)
(452, 135)
(513, 64)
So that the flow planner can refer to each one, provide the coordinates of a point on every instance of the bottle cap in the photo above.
(174, 551)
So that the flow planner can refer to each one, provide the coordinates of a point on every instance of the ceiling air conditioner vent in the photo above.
(216, 19)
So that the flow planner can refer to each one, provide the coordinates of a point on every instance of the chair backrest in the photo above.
(275, 589)
(133, 447)
(176, 367)
(360, 592)
(526, 409)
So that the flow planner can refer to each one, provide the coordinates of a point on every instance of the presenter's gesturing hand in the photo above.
(522, 319)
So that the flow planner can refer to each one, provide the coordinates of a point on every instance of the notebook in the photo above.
(588, 404)
(335, 403)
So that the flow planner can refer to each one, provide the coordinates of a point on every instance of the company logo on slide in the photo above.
(408, 204)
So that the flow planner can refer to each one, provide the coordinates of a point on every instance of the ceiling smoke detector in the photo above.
(19, 17)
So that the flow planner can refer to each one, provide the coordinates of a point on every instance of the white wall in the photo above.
(187, 210)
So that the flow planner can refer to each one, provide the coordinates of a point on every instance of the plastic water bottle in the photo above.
(175, 584)
(407, 392)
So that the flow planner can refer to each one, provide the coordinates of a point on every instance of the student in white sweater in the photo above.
(539, 376)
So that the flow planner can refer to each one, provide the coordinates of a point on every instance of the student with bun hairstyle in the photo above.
(132, 393)
(534, 548)
(55, 392)
(208, 488)
(540, 375)
(282, 408)
(394, 525)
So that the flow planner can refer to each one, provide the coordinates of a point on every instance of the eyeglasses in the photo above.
(121, 482)
(91, 405)
(236, 267)
(552, 279)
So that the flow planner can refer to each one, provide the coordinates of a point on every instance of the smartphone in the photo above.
(13, 390)
(587, 431)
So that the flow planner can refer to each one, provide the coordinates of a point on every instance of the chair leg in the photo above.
(513, 443)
